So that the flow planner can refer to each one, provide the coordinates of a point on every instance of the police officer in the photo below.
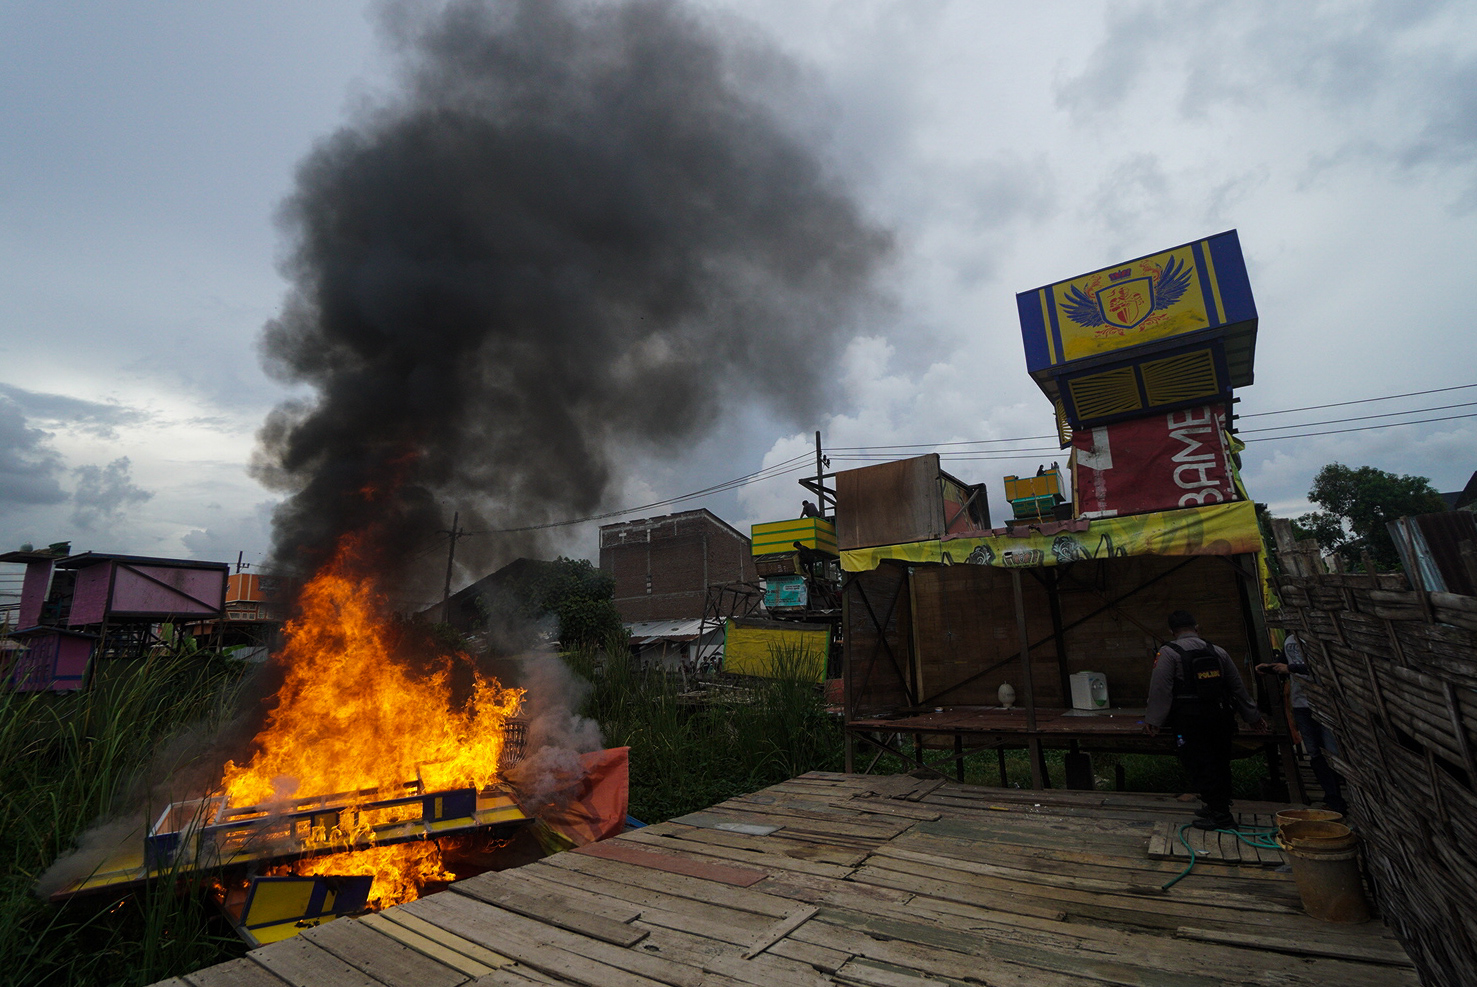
(1196, 692)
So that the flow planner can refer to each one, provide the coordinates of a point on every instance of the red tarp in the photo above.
(596, 810)
(1155, 463)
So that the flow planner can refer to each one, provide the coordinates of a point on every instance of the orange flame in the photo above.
(400, 870)
(351, 716)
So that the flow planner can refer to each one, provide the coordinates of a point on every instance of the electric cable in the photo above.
(1360, 418)
(878, 453)
(1361, 428)
(1342, 404)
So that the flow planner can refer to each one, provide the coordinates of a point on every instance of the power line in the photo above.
(935, 445)
(1361, 428)
(1342, 404)
(1362, 418)
(861, 453)
(779, 469)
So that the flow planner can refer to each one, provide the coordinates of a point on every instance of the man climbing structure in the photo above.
(1196, 692)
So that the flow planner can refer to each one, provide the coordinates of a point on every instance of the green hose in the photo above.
(1260, 837)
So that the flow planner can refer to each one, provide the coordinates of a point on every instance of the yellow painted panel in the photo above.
(770, 652)
(1181, 378)
(278, 899)
(1128, 304)
(285, 930)
(1112, 392)
(781, 536)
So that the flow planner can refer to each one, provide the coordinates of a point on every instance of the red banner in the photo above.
(1155, 463)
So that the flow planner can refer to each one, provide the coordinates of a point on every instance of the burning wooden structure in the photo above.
(280, 867)
(318, 817)
(1396, 669)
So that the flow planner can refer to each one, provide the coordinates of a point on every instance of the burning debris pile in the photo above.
(579, 232)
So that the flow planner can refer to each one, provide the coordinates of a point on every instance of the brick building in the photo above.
(663, 566)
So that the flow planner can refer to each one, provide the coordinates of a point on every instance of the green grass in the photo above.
(69, 760)
(688, 755)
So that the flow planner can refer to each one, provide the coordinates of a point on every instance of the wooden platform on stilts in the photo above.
(886, 881)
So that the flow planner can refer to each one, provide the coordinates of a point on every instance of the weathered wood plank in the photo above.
(624, 852)
(780, 843)
(303, 964)
(472, 950)
(769, 861)
(380, 956)
(559, 912)
(427, 946)
(234, 973)
(877, 807)
(561, 954)
(726, 925)
(679, 885)
(779, 930)
(823, 959)
(1389, 954)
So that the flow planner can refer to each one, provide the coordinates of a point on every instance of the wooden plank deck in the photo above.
(855, 880)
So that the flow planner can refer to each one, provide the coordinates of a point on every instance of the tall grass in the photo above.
(67, 761)
(688, 755)
(685, 754)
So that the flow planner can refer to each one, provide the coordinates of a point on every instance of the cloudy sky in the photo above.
(148, 146)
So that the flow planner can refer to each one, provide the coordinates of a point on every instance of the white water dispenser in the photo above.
(1089, 690)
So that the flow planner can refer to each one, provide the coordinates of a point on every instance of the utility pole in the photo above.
(454, 534)
(821, 462)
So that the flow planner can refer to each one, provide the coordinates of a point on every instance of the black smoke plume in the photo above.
(580, 230)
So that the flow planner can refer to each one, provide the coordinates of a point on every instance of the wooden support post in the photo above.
(1033, 742)
(1000, 755)
(959, 757)
(850, 753)
(1059, 636)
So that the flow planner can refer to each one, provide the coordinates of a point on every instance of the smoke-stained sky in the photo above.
(149, 146)
(576, 234)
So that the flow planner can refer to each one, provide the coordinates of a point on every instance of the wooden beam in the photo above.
(1034, 743)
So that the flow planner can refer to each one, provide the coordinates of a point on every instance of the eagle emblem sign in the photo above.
(1127, 303)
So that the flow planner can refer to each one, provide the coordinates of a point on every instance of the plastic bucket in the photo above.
(1311, 836)
(1287, 816)
(1328, 884)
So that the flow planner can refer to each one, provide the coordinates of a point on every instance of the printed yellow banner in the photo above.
(1220, 529)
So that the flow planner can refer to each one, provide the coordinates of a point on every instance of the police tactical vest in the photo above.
(1201, 678)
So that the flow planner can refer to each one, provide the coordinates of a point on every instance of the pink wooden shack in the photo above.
(115, 589)
(76, 607)
(48, 659)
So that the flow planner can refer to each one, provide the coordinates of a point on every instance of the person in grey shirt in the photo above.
(1317, 740)
(1196, 691)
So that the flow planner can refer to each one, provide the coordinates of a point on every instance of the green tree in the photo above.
(581, 596)
(1357, 503)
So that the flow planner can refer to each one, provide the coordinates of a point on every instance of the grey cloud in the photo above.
(99, 418)
(236, 532)
(29, 467)
(104, 493)
(1136, 191)
(1378, 64)
(1009, 188)
(1115, 66)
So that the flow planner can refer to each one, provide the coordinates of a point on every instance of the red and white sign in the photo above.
(1156, 463)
